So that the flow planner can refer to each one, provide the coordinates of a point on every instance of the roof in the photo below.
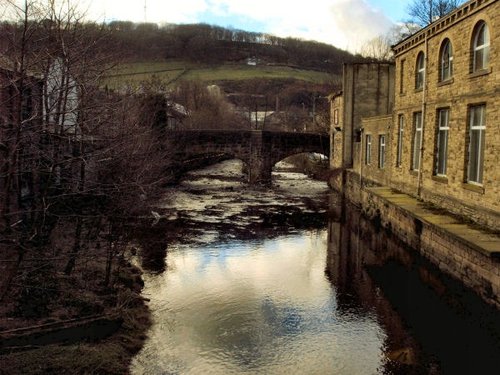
(8, 65)
(441, 24)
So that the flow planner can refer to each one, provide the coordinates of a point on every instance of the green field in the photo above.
(170, 71)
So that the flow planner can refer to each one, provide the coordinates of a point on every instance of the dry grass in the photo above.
(133, 74)
(42, 293)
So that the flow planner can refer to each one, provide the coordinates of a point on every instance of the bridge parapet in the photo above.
(258, 149)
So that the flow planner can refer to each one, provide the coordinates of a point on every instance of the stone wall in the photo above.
(452, 190)
(259, 150)
(454, 256)
(368, 90)
(337, 124)
(378, 168)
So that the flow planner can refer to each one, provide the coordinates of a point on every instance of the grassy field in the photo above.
(170, 71)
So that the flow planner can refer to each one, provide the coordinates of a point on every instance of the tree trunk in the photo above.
(76, 247)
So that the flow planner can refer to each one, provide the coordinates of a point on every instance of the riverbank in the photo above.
(62, 314)
(464, 251)
(68, 279)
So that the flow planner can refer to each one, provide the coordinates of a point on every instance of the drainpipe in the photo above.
(361, 131)
(424, 90)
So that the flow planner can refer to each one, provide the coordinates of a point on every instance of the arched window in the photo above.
(446, 61)
(420, 71)
(480, 47)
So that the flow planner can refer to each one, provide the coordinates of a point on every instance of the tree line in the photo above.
(215, 44)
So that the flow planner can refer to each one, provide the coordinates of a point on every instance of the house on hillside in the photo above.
(175, 114)
(428, 125)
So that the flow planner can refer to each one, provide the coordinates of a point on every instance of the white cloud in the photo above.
(344, 23)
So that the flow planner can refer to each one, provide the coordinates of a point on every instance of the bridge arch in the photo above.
(259, 150)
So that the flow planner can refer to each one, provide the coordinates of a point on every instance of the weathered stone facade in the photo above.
(441, 145)
(259, 150)
(454, 96)
(376, 149)
(368, 90)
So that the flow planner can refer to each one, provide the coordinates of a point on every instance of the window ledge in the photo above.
(441, 179)
(480, 73)
(449, 81)
(420, 89)
(473, 187)
(414, 172)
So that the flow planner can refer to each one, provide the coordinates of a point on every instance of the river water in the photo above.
(293, 281)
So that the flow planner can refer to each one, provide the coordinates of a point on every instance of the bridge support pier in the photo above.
(259, 166)
(259, 173)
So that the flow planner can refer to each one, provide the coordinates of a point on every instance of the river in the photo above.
(291, 280)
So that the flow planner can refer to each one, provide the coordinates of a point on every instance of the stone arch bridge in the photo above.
(258, 149)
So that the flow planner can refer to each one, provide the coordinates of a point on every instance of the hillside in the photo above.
(235, 60)
(256, 72)
(170, 71)
(206, 44)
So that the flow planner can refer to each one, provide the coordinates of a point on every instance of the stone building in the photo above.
(445, 132)
(439, 141)
(368, 90)
(20, 123)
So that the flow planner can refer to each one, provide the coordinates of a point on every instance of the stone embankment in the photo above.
(460, 249)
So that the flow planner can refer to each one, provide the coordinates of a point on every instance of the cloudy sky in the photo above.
(343, 23)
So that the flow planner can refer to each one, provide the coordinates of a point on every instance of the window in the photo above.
(417, 140)
(446, 61)
(442, 141)
(402, 76)
(381, 151)
(477, 127)
(420, 71)
(368, 150)
(399, 154)
(480, 47)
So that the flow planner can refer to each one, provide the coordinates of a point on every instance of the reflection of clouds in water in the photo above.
(254, 308)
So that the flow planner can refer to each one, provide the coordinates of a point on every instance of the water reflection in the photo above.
(433, 324)
(254, 308)
(347, 298)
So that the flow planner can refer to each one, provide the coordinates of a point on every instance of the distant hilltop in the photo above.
(203, 43)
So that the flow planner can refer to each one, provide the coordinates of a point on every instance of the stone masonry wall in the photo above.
(452, 255)
(337, 124)
(368, 90)
(375, 171)
(479, 202)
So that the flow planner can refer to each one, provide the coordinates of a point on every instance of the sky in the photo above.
(346, 24)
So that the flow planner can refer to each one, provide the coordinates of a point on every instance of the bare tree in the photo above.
(424, 12)
(207, 106)
(65, 141)
(380, 47)
(55, 65)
